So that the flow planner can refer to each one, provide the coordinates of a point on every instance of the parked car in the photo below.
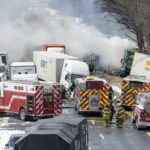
(13, 139)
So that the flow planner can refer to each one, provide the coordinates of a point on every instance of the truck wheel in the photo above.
(22, 114)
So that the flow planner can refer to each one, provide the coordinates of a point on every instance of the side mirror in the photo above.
(6, 145)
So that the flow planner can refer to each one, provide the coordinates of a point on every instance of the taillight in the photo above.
(144, 113)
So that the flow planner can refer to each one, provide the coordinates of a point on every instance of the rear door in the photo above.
(48, 103)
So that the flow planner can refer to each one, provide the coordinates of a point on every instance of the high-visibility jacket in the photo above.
(106, 113)
(120, 112)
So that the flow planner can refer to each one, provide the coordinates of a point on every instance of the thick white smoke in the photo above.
(39, 25)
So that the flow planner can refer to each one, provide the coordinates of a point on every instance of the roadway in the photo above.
(100, 138)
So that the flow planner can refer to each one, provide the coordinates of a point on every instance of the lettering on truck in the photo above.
(44, 64)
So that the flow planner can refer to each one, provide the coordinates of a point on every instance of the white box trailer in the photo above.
(23, 71)
(49, 64)
(141, 65)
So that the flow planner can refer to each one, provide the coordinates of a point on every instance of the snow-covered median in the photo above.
(6, 133)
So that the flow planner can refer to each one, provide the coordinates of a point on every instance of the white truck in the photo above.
(3, 66)
(141, 65)
(141, 112)
(58, 67)
(60, 48)
(23, 71)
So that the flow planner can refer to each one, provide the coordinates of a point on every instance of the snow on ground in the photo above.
(5, 132)
(117, 90)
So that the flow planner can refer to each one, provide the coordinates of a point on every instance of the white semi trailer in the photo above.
(23, 71)
(58, 67)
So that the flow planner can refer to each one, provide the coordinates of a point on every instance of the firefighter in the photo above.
(112, 110)
(120, 116)
(111, 94)
(106, 115)
(91, 68)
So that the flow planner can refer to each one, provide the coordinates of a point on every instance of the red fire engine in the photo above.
(27, 98)
(141, 112)
(91, 94)
(131, 86)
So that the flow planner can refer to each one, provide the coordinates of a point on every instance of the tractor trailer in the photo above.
(59, 67)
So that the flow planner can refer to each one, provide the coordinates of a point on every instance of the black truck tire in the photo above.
(22, 114)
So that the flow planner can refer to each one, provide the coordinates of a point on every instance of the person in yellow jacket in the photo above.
(120, 115)
(106, 115)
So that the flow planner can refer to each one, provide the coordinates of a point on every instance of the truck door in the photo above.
(48, 102)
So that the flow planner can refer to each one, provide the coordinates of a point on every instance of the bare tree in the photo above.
(134, 14)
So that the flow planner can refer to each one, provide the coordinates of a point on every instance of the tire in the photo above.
(22, 114)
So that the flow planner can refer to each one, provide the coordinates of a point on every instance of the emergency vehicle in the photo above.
(27, 98)
(141, 113)
(91, 94)
(130, 87)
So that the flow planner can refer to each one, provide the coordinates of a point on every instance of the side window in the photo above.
(67, 77)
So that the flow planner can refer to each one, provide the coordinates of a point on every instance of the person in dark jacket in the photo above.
(106, 115)
(120, 115)
(112, 110)
(111, 94)
(91, 68)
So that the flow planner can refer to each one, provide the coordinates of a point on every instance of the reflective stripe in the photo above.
(123, 111)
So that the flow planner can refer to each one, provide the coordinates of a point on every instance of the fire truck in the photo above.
(141, 112)
(90, 94)
(131, 86)
(30, 99)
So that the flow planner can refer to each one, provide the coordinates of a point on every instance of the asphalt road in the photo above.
(100, 138)
(113, 138)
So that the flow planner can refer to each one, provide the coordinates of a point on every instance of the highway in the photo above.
(100, 138)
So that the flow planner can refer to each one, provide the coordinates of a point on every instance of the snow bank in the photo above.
(6, 133)
(117, 90)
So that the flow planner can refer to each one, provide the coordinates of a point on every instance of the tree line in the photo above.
(134, 14)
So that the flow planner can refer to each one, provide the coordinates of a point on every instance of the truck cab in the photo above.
(126, 63)
(23, 71)
(141, 112)
(73, 69)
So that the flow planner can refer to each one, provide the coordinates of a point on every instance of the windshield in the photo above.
(75, 76)
(14, 140)
(2, 69)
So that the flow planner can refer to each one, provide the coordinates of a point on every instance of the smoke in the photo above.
(26, 26)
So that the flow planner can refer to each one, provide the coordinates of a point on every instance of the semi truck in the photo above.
(141, 112)
(55, 48)
(23, 71)
(141, 65)
(30, 99)
(126, 63)
(3, 66)
(58, 67)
